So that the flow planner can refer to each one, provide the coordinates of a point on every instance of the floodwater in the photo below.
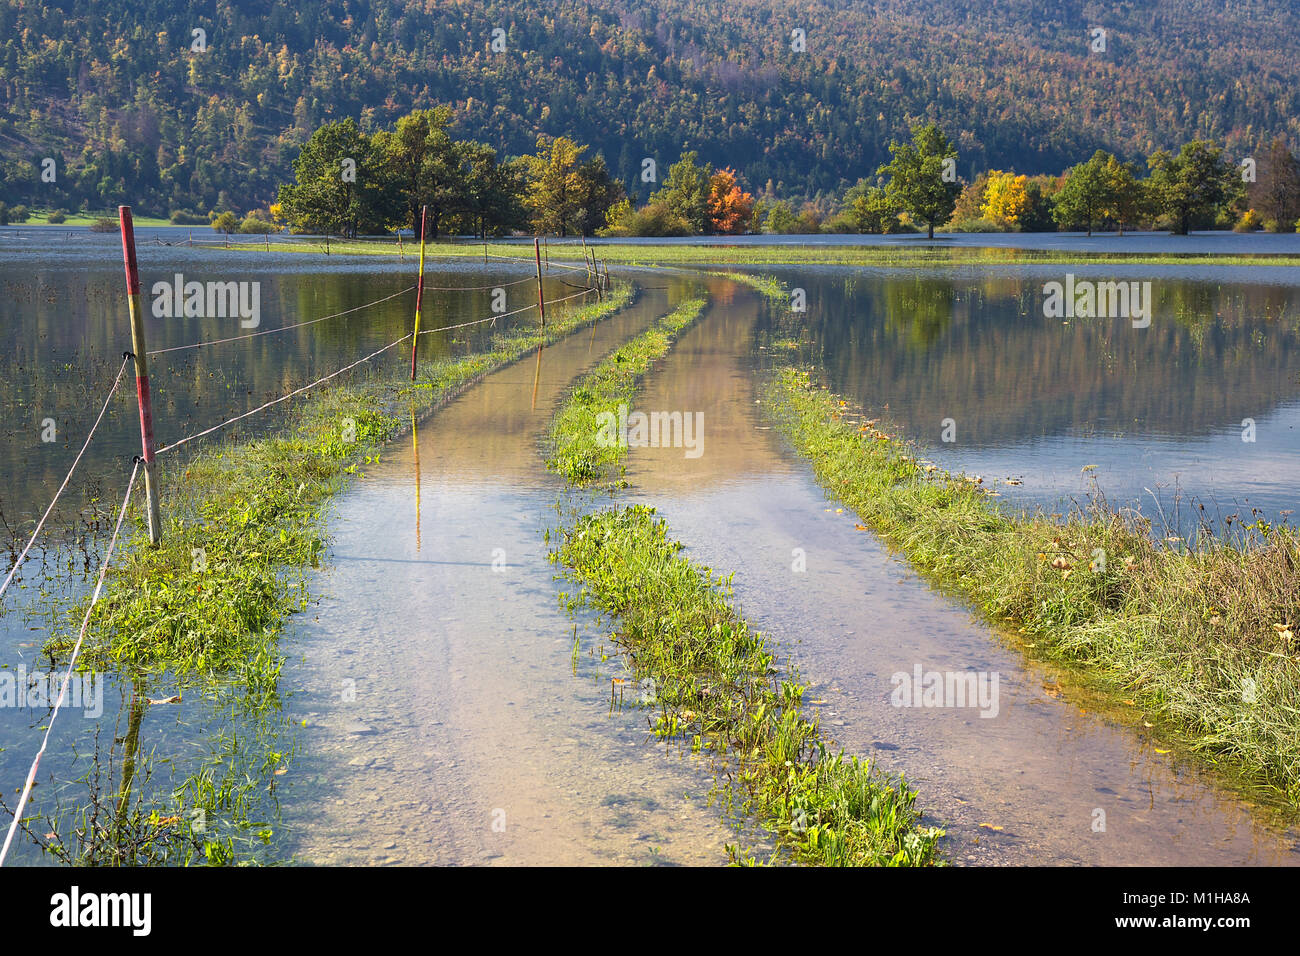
(1201, 408)
(438, 715)
(1051, 776)
(444, 722)
(63, 328)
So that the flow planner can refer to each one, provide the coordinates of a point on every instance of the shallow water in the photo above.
(64, 326)
(466, 737)
(1039, 770)
(968, 365)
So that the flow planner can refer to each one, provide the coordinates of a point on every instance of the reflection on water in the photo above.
(1037, 399)
(1024, 786)
(444, 723)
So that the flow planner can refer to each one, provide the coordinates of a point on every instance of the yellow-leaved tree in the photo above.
(1006, 199)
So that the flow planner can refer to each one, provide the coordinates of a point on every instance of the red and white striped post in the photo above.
(141, 369)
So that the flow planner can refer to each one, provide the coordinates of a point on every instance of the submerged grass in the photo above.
(243, 521)
(1202, 637)
(716, 680)
(918, 253)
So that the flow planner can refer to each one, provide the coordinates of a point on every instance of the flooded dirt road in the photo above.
(1047, 779)
(444, 724)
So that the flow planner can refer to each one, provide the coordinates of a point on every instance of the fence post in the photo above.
(541, 302)
(547, 245)
(141, 368)
(419, 295)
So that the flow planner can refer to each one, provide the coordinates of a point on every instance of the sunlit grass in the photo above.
(1202, 637)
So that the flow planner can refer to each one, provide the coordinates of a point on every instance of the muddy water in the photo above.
(1048, 770)
(443, 721)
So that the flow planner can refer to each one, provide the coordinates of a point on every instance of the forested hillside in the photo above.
(115, 91)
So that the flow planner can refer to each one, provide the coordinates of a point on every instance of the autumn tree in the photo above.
(1006, 199)
(917, 180)
(555, 185)
(729, 208)
(1275, 194)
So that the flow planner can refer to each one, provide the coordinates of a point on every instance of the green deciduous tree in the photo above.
(685, 194)
(916, 176)
(339, 188)
(1190, 188)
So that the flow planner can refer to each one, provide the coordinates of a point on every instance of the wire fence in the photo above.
(30, 781)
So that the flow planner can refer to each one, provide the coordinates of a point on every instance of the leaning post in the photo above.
(141, 369)
(419, 295)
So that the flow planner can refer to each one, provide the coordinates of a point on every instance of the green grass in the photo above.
(574, 447)
(718, 687)
(1193, 636)
(769, 286)
(716, 678)
(907, 254)
(243, 522)
(78, 219)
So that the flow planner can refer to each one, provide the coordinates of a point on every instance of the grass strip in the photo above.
(904, 254)
(1201, 637)
(580, 448)
(717, 683)
(717, 686)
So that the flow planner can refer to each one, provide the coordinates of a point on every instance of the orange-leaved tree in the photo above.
(729, 207)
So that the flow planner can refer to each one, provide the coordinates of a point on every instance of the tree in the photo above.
(597, 192)
(781, 219)
(874, 211)
(339, 186)
(1086, 195)
(1275, 194)
(227, 222)
(1189, 188)
(1126, 201)
(1006, 199)
(916, 176)
(685, 194)
(491, 202)
(423, 169)
(555, 185)
(729, 209)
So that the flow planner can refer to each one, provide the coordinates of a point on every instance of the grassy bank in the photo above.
(243, 522)
(717, 684)
(1201, 638)
(915, 253)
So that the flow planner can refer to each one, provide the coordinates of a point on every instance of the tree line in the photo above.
(132, 108)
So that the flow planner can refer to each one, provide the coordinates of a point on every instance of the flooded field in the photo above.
(432, 709)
